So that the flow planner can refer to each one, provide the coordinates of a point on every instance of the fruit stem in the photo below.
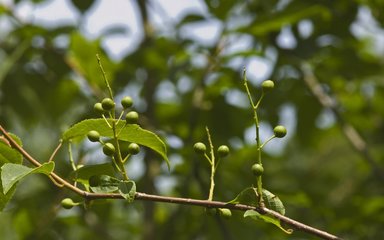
(259, 185)
(104, 76)
(213, 167)
(119, 159)
(71, 156)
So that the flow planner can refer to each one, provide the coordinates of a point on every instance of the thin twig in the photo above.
(176, 200)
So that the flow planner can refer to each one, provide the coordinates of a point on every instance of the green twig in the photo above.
(213, 167)
(259, 185)
(104, 76)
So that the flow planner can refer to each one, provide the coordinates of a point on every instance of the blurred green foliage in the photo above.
(180, 86)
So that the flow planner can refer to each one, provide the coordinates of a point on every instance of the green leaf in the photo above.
(128, 132)
(127, 189)
(9, 154)
(248, 197)
(12, 173)
(274, 22)
(84, 173)
(104, 184)
(82, 57)
(5, 198)
(267, 218)
(271, 201)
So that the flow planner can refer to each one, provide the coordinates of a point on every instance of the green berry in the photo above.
(224, 212)
(223, 151)
(257, 169)
(132, 117)
(280, 131)
(267, 85)
(68, 203)
(93, 136)
(133, 148)
(107, 104)
(126, 102)
(109, 149)
(199, 148)
(98, 108)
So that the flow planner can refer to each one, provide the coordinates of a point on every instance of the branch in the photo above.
(352, 135)
(175, 200)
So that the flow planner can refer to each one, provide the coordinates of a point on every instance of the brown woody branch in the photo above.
(176, 200)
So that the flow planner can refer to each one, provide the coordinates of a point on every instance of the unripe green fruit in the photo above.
(267, 85)
(280, 131)
(133, 148)
(109, 149)
(223, 151)
(257, 169)
(132, 117)
(126, 102)
(68, 203)
(199, 148)
(107, 104)
(98, 108)
(224, 212)
(93, 136)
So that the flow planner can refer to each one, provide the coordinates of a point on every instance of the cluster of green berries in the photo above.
(132, 117)
(108, 105)
(200, 148)
(108, 148)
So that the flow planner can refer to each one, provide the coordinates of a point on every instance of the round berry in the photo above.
(223, 151)
(93, 136)
(224, 212)
(267, 85)
(98, 108)
(107, 104)
(132, 117)
(257, 169)
(133, 148)
(126, 102)
(68, 203)
(199, 148)
(109, 149)
(280, 131)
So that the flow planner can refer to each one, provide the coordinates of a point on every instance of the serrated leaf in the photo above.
(104, 184)
(248, 197)
(128, 132)
(12, 173)
(271, 201)
(84, 173)
(267, 218)
(127, 189)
